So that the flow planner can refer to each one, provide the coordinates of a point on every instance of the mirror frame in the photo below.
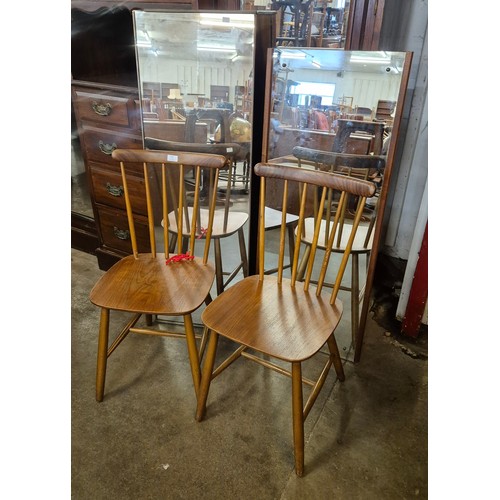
(384, 190)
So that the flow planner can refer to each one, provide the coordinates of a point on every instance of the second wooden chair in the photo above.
(278, 317)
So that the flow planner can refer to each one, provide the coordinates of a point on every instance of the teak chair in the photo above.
(227, 222)
(360, 166)
(272, 316)
(156, 282)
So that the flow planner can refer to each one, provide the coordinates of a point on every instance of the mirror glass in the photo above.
(342, 102)
(195, 74)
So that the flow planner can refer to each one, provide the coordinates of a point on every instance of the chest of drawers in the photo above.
(108, 117)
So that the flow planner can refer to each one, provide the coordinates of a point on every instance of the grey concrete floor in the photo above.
(366, 438)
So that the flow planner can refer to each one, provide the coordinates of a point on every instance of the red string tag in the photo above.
(179, 258)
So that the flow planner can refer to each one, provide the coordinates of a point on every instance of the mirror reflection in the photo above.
(195, 73)
(334, 110)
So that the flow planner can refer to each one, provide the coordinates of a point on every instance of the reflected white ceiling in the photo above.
(220, 37)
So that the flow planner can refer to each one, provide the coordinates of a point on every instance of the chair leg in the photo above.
(337, 362)
(303, 263)
(102, 353)
(194, 359)
(291, 242)
(243, 252)
(218, 266)
(298, 418)
(354, 296)
(203, 343)
(206, 378)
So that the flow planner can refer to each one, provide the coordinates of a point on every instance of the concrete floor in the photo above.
(365, 438)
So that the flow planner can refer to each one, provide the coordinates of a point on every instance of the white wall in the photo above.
(407, 31)
(366, 89)
(195, 77)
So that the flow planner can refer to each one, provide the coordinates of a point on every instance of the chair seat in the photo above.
(273, 218)
(359, 240)
(284, 322)
(149, 285)
(234, 222)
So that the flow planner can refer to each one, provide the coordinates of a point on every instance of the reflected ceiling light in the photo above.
(316, 63)
(293, 55)
(226, 24)
(366, 59)
(216, 49)
(227, 21)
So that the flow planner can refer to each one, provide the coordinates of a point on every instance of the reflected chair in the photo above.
(227, 222)
(293, 22)
(359, 166)
(278, 321)
(156, 282)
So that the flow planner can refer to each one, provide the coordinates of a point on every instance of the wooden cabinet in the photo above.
(106, 113)
(108, 117)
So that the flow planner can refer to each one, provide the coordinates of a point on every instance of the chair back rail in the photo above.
(160, 164)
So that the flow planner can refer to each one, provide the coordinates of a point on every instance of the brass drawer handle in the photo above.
(122, 234)
(107, 149)
(114, 190)
(102, 109)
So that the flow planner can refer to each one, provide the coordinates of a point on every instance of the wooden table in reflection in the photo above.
(352, 137)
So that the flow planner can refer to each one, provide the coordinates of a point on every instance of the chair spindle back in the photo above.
(310, 181)
(166, 172)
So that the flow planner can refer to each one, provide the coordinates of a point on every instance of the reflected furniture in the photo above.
(277, 321)
(374, 132)
(352, 142)
(293, 22)
(158, 282)
(385, 110)
(227, 222)
(359, 166)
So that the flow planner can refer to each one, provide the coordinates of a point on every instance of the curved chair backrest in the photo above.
(325, 182)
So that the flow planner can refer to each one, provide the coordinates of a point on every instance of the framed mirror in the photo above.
(199, 81)
(339, 111)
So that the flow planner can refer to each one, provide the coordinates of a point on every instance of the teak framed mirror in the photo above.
(201, 79)
(348, 103)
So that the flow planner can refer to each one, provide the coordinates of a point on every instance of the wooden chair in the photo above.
(152, 281)
(277, 317)
(293, 22)
(360, 166)
(227, 222)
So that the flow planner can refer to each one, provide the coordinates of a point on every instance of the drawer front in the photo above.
(108, 189)
(115, 231)
(102, 107)
(99, 144)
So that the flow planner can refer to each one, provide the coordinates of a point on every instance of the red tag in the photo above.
(179, 258)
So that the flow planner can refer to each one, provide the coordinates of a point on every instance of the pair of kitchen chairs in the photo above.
(273, 319)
